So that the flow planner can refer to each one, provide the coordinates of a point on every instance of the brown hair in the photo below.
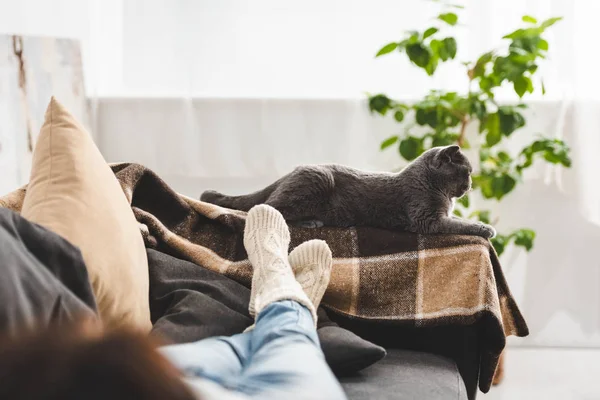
(77, 362)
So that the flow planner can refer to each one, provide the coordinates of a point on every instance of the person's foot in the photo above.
(267, 238)
(311, 263)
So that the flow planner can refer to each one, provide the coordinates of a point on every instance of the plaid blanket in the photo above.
(378, 275)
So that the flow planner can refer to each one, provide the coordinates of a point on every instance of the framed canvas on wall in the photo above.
(33, 69)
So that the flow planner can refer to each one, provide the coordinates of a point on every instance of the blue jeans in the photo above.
(279, 359)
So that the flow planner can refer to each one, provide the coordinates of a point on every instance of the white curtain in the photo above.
(230, 94)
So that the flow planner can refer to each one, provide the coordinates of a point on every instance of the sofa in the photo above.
(45, 281)
(404, 316)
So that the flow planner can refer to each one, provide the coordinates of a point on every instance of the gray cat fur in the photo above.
(418, 199)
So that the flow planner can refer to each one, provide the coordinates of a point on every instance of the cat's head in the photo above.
(448, 170)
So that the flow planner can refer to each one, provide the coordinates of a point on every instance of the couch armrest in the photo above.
(459, 343)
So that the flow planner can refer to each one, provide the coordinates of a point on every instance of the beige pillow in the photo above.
(73, 192)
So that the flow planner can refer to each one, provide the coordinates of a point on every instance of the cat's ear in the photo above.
(448, 153)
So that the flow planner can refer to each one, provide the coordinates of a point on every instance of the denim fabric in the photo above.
(279, 359)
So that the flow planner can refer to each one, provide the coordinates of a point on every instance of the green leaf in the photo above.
(521, 85)
(484, 183)
(504, 157)
(529, 85)
(554, 151)
(457, 212)
(411, 148)
(481, 215)
(427, 117)
(514, 35)
(543, 87)
(542, 45)
(388, 48)
(485, 58)
(399, 115)
(379, 103)
(549, 22)
(528, 33)
(429, 32)
(413, 38)
(529, 19)
(502, 185)
(432, 66)
(499, 242)
(524, 238)
(492, 126)
(445, 49)
(389, 142)
(479, 68)
(486, 83)
(419, 54)
(421, 117)
(532, 68)
(510, 120)
(449, 18)
(557, 158)
(450, 47)
(464, 201)
(437, 47)
(477, 108)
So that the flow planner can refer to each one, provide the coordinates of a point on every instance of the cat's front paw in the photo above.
(486, 231)
(309, 224)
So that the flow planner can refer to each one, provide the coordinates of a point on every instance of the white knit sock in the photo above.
(267, 238)
(311, 263)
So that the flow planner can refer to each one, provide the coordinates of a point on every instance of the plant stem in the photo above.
(465, 119)
(463, 130)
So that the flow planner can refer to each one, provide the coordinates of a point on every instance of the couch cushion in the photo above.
(43, 277)
(345, 352)
(74, 193)
(407, 375)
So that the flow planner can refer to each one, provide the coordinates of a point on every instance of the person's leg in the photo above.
(281, 357)
(266, 238)
(220, 359)
(311, 264)
(286, 360)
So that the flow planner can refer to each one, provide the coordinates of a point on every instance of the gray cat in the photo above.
(419, 199)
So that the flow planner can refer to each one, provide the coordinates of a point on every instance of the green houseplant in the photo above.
(441, 117)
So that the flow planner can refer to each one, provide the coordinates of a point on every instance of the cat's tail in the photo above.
(242, 203)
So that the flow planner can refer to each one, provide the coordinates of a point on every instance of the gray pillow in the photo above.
(44, 279)
(345, 352)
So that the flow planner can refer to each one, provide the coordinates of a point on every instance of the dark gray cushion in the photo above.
(43, 277)
(407, 375)
(345, 352)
